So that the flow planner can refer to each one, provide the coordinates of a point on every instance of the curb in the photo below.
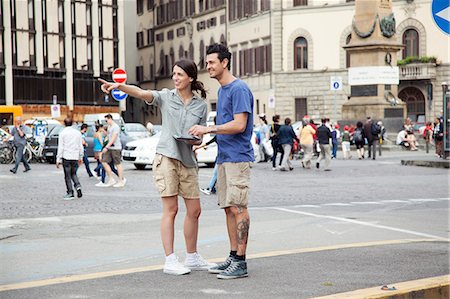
(429, 288)
(424, 163)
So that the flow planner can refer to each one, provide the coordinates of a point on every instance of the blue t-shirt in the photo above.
(235, 98)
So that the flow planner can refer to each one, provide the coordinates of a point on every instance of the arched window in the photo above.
(191, 51)
(162, 66)
(181, 52)
(300, 53)
(201, 63)
(347, 54)
(211, 41)
(222, 40)
(411, 43)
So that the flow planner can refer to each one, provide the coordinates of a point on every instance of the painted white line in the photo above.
(366, 203)
(395, 201)
(338, 204)
(307, 206)
(422, 200)
(405, 231)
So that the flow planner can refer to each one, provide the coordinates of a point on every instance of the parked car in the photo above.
(136, 131)
(207, 154)
(141, 152)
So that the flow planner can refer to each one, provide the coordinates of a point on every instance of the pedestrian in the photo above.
(371, 132)
(211, 189)
(438, 135)
(381, 136)
(346, 143)
(274, 140)
(428, 135)
(20, 141)
(264, 146)
(83, 130)
(307, 143)
(286, 137)
(235, 153)
(70, 155)
(112, 152)
(358, 139)
(175, 166)
(98, 147)
(324, 135)
(335, 135)
(104, 134)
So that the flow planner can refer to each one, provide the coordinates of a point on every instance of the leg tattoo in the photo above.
(242, 230)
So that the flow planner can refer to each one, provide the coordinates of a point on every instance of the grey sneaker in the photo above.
(237, 269)
(219, 268)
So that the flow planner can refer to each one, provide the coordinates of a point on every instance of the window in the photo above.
(140, 7)
(301, 110)
(300, 53)
(191, 51)
(300, 2)
(265, 5)
(140, 39)
(411, 43)
(170, 35)
(150, 4)
(201, 63)
(347, 54)
(181, 52)
(139, 73)
(150, 37)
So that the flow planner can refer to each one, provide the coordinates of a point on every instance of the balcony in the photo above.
(418, 71)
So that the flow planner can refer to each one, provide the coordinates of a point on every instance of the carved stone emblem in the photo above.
(387, 25)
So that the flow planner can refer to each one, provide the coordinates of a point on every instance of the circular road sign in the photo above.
(441, 14)
(118, 95)
(119, 75)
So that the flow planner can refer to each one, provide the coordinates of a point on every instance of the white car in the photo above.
(141, 152)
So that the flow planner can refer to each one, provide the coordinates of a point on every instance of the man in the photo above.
(371, 131)
(112, 152)
(233, 127)
(324, 135)
(70, 154)
(20, 140)
(83, 131)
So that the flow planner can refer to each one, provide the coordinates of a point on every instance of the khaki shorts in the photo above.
(112, 155)
(173, 178)
(233, 182)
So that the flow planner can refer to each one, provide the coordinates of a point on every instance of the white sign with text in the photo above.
(373, 75)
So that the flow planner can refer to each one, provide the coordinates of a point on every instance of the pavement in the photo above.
(305, 242)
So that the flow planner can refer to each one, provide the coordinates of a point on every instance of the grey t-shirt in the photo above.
(177, 119)
(114, 128)
(17, 138)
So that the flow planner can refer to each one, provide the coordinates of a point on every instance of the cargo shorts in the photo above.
(173, 178)
(233, 183)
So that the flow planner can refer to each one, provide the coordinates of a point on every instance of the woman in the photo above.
(307, 143)
(438, 135)
(263, 136)
(286, 137)
(274, 139)
(358, 138)
(175, 167)
(98, 146)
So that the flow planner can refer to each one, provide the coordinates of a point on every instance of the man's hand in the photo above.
(57, 164)
(80, 161)
(104, 150)
(108, 86)
(198, 130)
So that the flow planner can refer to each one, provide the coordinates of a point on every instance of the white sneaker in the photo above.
(120, 183)
(101, 184)
(174, 267)
(195, 261)
(206, 191)
(110, 183)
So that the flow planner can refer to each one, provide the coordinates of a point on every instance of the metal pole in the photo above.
(334, 107)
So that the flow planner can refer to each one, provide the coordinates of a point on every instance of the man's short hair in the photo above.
(109, 116)
(84, 126)
(222, 53)
(68, 122)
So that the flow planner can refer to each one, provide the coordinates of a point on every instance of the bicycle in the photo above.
(32, 152)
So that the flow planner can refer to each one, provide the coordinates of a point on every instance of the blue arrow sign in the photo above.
(118, 95)
(441, 14)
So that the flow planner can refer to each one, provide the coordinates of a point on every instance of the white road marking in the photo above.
(338, 204)
(405, 231)
(366, 203)
(307, 206)
(395, 201)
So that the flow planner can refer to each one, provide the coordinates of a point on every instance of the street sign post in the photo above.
(55, 110)
(118, 95)
(335, 85)
(440, 10)
(119, 75)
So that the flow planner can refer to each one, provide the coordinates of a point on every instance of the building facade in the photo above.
(287, 51)
(53, 51)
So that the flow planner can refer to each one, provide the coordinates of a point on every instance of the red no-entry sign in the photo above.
(119, 75)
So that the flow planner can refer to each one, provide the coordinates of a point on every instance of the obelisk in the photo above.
(373, 73)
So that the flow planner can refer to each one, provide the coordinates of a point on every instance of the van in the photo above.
(9, 113)
(92, 119)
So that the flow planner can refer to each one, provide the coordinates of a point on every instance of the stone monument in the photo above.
(373, 74)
